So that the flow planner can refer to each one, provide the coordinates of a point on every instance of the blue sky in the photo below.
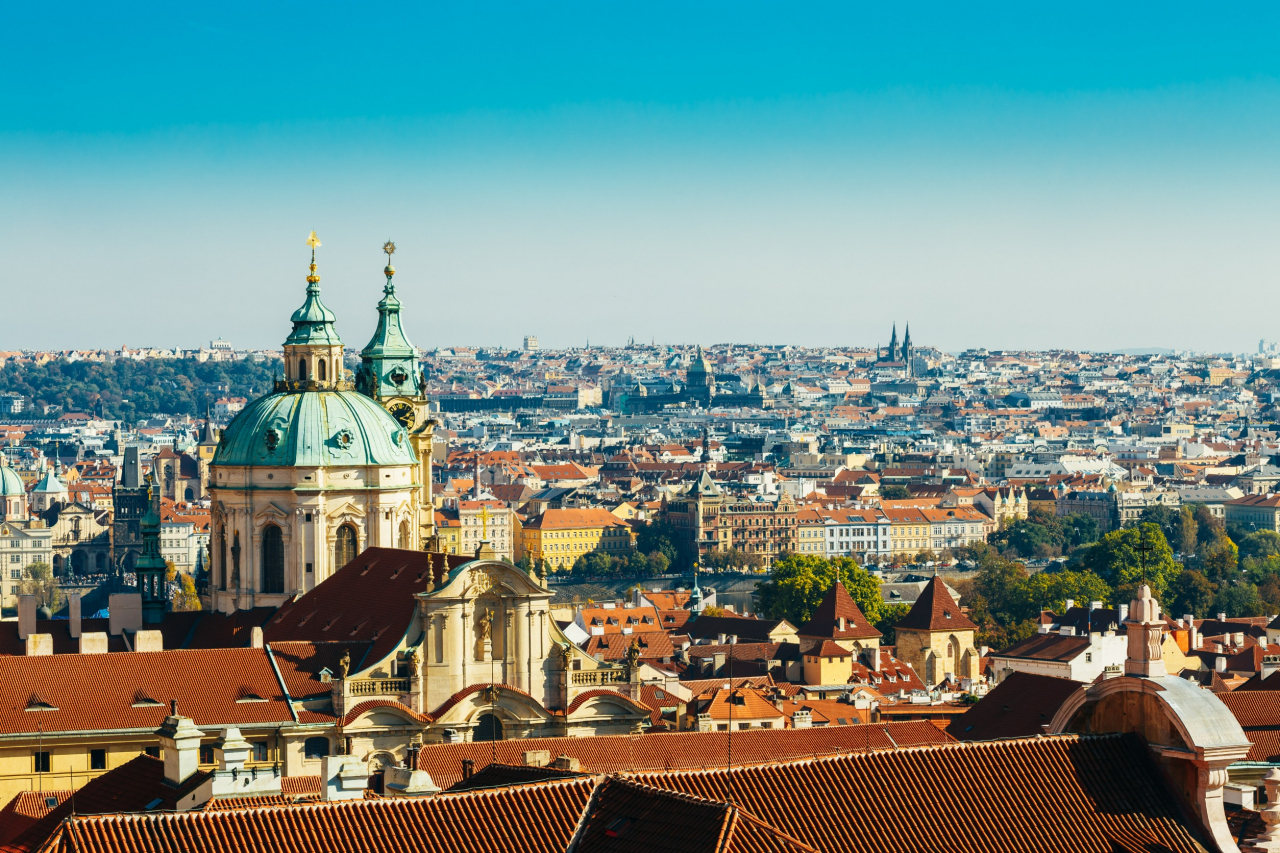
(807, 173)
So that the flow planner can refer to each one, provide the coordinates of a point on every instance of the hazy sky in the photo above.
(1095, 176)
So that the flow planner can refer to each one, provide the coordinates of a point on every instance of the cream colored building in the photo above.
(936, 639)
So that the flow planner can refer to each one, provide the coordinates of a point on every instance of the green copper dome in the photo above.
(313, 322)
(10, 483)
(314, 429)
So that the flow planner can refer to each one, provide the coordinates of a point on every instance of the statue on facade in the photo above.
(344, 663)
(566, 656)
(412, 661)
(486, 625)
(633, 654)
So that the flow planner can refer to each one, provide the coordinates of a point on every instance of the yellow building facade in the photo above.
(560, 536)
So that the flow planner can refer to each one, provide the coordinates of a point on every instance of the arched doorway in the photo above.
(344, 546)
(488, 727)
(79, 563)
(57, 564)
(272, 559)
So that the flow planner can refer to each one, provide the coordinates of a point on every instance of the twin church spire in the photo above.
(313, 351)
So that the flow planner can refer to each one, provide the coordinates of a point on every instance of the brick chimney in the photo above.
(26, 616)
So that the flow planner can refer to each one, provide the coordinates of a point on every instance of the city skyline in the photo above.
(746, 175)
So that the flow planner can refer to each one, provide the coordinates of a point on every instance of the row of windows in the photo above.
(260, 751)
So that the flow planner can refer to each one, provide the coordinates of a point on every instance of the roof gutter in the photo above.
(280, 680)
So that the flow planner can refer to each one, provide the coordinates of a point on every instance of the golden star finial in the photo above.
(313, 240)
(389, 248)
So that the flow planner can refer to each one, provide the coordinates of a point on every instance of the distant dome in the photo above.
(10, 483)
(44, 613)
(301, 429)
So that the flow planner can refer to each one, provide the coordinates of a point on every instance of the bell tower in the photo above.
(150, 568)
(313, 350)
(389, 374)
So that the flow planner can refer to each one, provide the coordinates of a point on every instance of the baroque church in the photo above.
(325, 466)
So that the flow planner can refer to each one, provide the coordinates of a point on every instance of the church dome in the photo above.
(10, 483)
(304, 428)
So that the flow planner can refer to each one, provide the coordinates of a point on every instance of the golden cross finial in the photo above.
(313, 241)
(484, 522)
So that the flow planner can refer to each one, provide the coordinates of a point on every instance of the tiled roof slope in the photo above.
(825, 620)
(936, 610)
(1046, 647)
(25, 809)
(131, 787)
(505, 775)
(627, 817)
(1017, 707)
(368, 600)
(679, 750)
(1258, 712)
(300, 663)
(1069, 794)
(528, 818)
(88, 692)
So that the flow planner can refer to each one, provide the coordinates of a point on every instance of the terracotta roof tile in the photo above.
(936, 610)
(825, 622)
(25, 809)
(1018, 707)
(1068, 793)
(106, 691)
(651, 752)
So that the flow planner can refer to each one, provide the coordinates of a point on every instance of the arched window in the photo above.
(404, 536)
(235, 561)
(189, 494)
(315, 748)
(344, 546)
(320, 366)
(302, 369)
(272, 559)
(488, 727)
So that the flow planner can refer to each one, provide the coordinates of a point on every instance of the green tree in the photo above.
(1259, 544)
(1239, 599)
(798, 582)
(38, 580)
(1190, 592)
(525, 563)
(1218, 560)
(659, 536)
(1117, 558)
(1050, 591)
(1078, 529)
(1208, 526)
(891, 615)
(185, 597)
(894, 493)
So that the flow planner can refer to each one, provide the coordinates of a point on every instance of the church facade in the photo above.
(310, 475)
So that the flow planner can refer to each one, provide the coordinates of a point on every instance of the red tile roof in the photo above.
(936, 610)
(370, 600)
(1068, 793)
(1053, 647)
(653, 644)
(835, 605)
(652, 752)
(529, 818)
(25, 809)
(625, 816)
(133, 690)
(1020, 706)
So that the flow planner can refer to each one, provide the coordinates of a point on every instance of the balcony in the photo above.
(598, 677)
(380, 687)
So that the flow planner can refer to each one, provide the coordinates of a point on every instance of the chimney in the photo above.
(1222, 617)
(1095, 605)
(26, 616)
(733, 639)
(841, 624)
(1270, 666)
(1124, 613)
(231, 750)
(1220, 664)
(126, 612)
(1071, 602)
(344, 777)
(721, 638)
(566, 762)
(180, 745)
(802, 720)
(1217, 647)
(39, 644)
(1067, 631)
(73, 611)
(148, 641)
(255, 637)
(704, 723)
(1238, 638)
(537, 757)
(468, 768)
(93, 643)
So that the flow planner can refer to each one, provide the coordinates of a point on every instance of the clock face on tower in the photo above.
(402, 410)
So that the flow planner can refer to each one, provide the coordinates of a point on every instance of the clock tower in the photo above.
(389, 374)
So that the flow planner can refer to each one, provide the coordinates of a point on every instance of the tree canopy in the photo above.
(798, 582)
